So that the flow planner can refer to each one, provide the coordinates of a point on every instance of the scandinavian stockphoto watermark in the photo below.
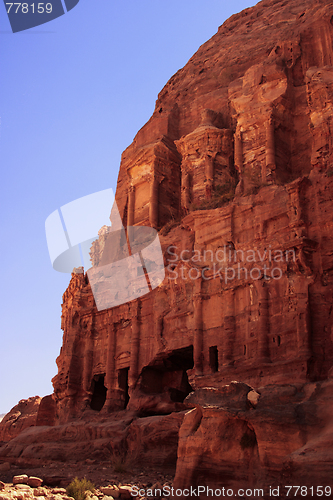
(26, 15)
(124, 263)
(129, 263)
(227, 263)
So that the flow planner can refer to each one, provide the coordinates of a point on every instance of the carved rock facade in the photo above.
(251, 137)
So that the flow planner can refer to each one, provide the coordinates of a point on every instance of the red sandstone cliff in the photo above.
(245, 126)
(236, 161)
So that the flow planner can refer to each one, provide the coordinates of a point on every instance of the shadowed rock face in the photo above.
(235, 170)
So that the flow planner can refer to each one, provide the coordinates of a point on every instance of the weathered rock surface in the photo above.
(47, 411)
(123, 438)
(23, 415)
(287, 439)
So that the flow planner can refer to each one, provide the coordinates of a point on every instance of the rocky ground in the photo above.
(108, 483)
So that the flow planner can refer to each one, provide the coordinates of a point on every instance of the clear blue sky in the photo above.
(73, 94)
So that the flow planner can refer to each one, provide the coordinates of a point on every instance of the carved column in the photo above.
(110, 377)
(209, 174)
(185, 194)
(153, 206)
(198, 329)
(295, 216)
(268, 168)
(135, 344)
(88, 358)
(295, 207)
(227, 145)
(158, 326)
(131, 206)
(263, 320)
(229, 326)
(238, 145)
(303, 319)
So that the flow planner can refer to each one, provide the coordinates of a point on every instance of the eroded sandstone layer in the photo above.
(23, 415)
(235, 171)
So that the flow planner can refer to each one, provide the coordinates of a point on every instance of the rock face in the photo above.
(23, 415)
(234, 169)
(47, 411)
(124, 437)
(287, 439)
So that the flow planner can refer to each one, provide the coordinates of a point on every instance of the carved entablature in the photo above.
(207, 164)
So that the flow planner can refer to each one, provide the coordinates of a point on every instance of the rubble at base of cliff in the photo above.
(19, 488)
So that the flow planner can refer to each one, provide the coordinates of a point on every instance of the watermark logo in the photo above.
(228, 264)
(26, 15)
(129, 262)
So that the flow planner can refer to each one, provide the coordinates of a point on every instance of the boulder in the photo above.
(35, 482)
(22, 479)
(40, 492)
(112, 491)
(253, 398)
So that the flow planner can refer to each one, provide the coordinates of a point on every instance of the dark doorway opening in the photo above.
(123, 384)
(214, 359)
(99, 393)
(168, 374)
